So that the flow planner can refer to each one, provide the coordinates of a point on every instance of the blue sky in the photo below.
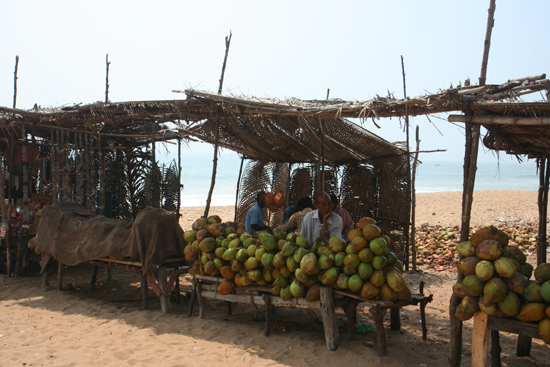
(279, 49)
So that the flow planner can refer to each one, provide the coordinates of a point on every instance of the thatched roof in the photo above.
(286, 130)
(518, 128)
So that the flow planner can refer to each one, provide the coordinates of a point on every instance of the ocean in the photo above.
(431, 176)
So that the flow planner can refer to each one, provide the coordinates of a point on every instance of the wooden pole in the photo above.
(216, 145)
(227, 44)
(470, 167)
(214, 169)
(413, 203)
(238, 187)
(107, 78)
(5, 220)
(8, 216)
(154, 169)
(179, 179)
(544, 175)
(411, 193)
(487, 43)
(321, 175)
(15, 81)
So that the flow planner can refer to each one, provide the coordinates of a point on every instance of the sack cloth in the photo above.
(73, 235)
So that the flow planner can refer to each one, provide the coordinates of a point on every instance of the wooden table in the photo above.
(206, 287)
(486, 327)
(162, 287)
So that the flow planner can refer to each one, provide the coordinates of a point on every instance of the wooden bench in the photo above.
(206, 287)
(486, 327)
(162, 287)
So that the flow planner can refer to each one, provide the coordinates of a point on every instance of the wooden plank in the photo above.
(329, 318)
(514, 326)
(480, 340)
(414, 300)
(256, 299)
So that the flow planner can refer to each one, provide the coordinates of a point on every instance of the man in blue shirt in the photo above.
(255, 216)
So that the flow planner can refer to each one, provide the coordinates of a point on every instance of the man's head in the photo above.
(323, 203)
(260, 199)
(303, 203)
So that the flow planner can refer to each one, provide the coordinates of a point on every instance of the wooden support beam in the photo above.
(164, 298)
(378, 314)
(329, 318)
(60, 276)
(480, 340)
(144, 293)
(500, 120)
(268, 315)
(94, 277)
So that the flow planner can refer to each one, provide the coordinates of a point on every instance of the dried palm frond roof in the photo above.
(519, 128)
(453, 99)
(285, 130)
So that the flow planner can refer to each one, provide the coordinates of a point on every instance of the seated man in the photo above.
(294, 223)
(255, 216)
(289, 211)
(347, 221)
(322, 223)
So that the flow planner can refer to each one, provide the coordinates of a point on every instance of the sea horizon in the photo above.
(431, 176)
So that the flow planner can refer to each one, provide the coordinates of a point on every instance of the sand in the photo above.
(40, 326)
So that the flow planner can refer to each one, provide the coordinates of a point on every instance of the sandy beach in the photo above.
(41, 326)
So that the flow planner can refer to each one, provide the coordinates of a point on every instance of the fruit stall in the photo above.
(519, 129)
(283, 269)
(498, 292)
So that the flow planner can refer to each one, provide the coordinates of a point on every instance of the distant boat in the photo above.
(437, 164)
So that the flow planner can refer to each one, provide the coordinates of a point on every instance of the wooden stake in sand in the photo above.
(470, 167)
(215, 163)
